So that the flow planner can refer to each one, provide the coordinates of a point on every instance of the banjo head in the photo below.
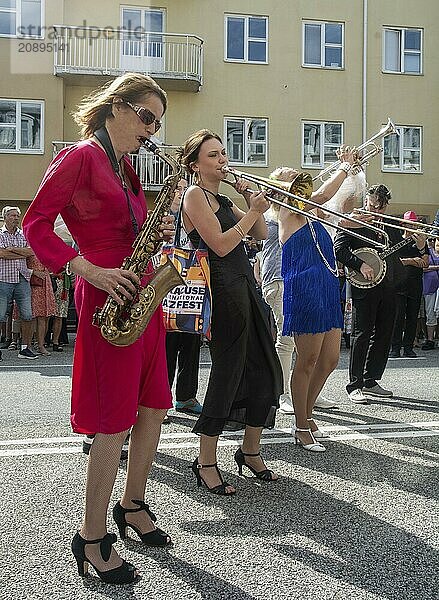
(371, 258)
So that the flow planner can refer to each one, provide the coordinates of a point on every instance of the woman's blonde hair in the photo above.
(94, 109)
(281, 174)
(189, 152)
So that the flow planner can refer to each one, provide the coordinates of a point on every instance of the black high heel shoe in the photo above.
(264, 475)
(157, 537)
(220, 489)
(125, 573)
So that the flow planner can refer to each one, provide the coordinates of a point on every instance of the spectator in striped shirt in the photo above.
(15, 277)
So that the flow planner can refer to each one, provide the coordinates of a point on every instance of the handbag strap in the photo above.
(178, 226)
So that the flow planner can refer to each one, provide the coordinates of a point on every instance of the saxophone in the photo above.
(123, 324)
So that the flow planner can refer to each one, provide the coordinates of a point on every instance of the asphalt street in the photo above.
(359, 521)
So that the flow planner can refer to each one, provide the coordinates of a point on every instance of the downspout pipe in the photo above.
(364, 93)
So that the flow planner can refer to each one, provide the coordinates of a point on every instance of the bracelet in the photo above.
(239, 230)
(346, 167)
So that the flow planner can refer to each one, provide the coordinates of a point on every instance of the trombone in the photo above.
(365, 153)
(431, 231)
(303, 182)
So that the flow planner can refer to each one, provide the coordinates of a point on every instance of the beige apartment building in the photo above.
(284, 82)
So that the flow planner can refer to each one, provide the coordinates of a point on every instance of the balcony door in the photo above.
(142, 44)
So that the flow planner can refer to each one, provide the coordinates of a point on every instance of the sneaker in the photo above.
(395, 354)
(5, 344)
(428, 345)
(124, 451)
(27, 353)
(409, 353)
(323, 402)
(190, 407)
(12, 345)
(357, 396)
(377, 390)
(86, 443)
(286, 405)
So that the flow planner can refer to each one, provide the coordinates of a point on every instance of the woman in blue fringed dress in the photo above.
(311, 306)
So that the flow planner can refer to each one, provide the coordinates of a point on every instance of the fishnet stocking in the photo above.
(144, 440)
(102, 468)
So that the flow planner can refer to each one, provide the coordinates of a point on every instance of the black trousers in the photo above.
(372, 325)
(406, 320)
(183, 355)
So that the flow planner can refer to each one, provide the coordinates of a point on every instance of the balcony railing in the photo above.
(174, 57)
(149, 168)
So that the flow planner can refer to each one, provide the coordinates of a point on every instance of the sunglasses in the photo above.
(145, 115)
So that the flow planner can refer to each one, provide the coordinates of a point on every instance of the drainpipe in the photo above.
(364, 99)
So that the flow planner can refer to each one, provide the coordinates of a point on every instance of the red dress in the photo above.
(43, 298)
(108, 382)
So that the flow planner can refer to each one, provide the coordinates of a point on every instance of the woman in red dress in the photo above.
(113, 388)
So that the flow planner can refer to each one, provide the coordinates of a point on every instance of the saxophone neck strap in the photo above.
(102, 136)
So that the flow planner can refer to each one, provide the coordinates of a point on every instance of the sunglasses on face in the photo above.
(145, 115)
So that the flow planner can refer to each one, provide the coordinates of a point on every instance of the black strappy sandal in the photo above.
(157, 537)
(125, 573)
(219, 490)
(264, 475)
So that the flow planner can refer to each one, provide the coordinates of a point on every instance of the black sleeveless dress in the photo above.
(246, 377)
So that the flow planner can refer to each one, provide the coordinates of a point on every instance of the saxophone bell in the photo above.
(123, 324)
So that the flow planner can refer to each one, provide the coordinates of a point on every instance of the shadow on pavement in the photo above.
(369, 552)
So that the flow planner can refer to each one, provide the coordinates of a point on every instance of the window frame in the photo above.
(403, 51)
(246, 123)
(322, 164)
(18, 23)
(247, 39)
(144, 44)
(18, 112)
(323, 45)
(400, 168)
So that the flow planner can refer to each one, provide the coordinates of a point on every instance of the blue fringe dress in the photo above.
(311, 302)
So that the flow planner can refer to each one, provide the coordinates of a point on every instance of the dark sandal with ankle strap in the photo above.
(264, 475)
(157, 537)
(125, 573)
(219, 490)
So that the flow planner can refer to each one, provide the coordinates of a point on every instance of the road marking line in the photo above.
(266, 432)
(230, 442)
(33, 366)
(39, 365)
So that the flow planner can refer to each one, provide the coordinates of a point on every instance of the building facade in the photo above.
(284, 83)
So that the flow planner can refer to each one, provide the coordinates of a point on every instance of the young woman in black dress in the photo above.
(246, 378)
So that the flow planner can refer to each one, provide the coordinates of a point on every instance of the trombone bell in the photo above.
(300, 186)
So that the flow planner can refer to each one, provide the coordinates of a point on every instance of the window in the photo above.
(323, 45)
(246, 141)
(402, 50)
(320, 141)
(403, 152)
(21, 18)
(21, 126)
(143, 23)
(246, 39)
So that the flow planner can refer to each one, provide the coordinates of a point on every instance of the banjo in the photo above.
(374, 259)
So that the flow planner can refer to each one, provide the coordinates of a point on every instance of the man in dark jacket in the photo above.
(409, 291)
(373, 309)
